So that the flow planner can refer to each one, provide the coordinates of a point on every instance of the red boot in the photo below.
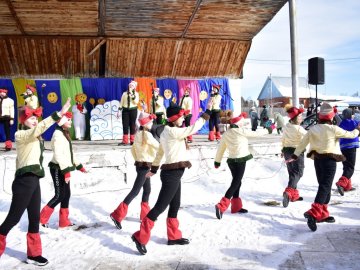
(8, 145)
(132, 138)
(141, 238)
(64, 218)
(316, 211)
(125, 140)
(221, 207)
(348, 186)
(342, 184)
(211, 136)
(189, 139)
(236, 206)
(45, 214)
(2, 244)
(145, 208)
(325, 212)
(34, 247)
(174, 234)
(218, 135)
(34, 250)
(295, 195)
(120, 212)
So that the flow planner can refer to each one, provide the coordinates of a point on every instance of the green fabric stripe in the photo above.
(69, 88)
(35, 169)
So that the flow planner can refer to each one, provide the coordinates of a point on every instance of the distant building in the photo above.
(277, 92)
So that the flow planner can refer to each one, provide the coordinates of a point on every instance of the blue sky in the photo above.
(325, 28)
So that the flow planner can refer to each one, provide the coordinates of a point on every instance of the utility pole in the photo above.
(294, 56)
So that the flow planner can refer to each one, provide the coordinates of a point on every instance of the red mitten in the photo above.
(67, 177)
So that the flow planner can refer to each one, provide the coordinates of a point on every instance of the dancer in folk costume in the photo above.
(30, 99)
(157, 106)
(129, 106)
(6, 116)
(173, 145)
(325, 151)
(293, 133)
(214, 121)
(235, 140)
(144, 151)
(79, 115)
(62, 163)
(348, 149)
(26, 188)
(186, 104)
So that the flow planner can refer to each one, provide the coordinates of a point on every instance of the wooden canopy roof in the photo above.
(129, 38)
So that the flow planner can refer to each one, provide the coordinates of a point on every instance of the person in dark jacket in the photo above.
(254, 118)
(348, 149)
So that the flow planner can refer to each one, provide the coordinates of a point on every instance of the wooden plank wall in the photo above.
(175, 58)
(46, 57)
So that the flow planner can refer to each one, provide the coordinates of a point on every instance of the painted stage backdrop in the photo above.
(100, 97)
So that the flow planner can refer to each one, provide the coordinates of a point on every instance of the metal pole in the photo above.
(294, 57)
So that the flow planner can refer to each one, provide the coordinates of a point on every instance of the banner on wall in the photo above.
(53, 93)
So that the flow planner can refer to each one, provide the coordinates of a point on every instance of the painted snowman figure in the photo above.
(79, 112)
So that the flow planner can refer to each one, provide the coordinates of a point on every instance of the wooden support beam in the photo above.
(97, 47)
(101, 17)
(16, 18)
(198, 3)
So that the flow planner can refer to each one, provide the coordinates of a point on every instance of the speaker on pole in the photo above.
(316, 73)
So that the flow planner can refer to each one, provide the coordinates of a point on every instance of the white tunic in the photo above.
(79, 122)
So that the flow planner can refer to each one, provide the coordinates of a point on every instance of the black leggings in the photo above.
(214, 121)
(349, 163)
(140, 182)
(26, 196)
(128, 120)
(6, 123)
(170, 194)
(62, 190)
(237, 171)
(325, 169)
(295, 169)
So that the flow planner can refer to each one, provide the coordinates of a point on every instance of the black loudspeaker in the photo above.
(316, 71)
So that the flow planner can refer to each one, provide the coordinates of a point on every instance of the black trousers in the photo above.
(6, 124)
(170, 194)
(237, 171)
(26, 196)
(325, 169)
(349, 163)
(62, 190)
(140, 182)
(128, 120)
(214, 121)
(187, 120)
(295, 169)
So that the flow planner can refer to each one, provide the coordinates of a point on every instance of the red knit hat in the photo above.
(145, 118)
(326, 112)
(2, 90)
(29, 87)
(157, 90)
(174, 112)
(133, 83)
(293, 111)
(237, 119)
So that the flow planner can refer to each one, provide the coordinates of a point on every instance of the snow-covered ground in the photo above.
(262, 239)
